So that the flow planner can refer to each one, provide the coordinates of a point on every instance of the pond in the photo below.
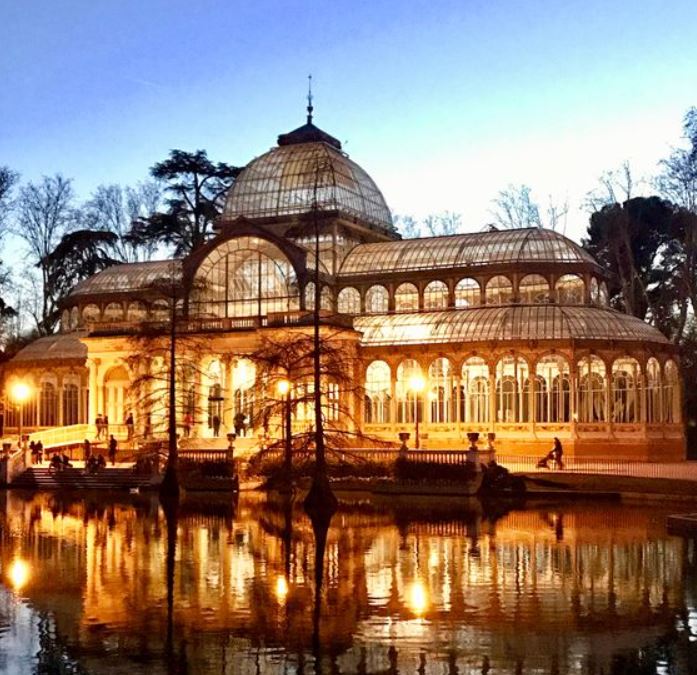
(112, 584)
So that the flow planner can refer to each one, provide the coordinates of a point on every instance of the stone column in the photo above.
(92, 408)
(59, 386)
(229, 363)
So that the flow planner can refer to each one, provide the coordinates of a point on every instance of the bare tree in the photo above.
(407, 226)
(678, 178)
(114, 208)
(8, 180)
(45, 212)
(614, 187)
(433, 225)
(516, 208)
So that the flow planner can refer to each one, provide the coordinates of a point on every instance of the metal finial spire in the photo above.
(309, 99)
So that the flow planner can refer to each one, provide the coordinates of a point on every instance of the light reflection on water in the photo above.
(405, 588)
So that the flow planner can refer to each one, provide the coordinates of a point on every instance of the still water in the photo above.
(114, 585)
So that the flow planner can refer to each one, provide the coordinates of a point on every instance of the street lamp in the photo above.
(20, 393)
(283, 388)
(416, 384)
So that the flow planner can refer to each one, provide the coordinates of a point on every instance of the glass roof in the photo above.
(282, 181)
(53, 347)
(128, 277)
(519, 322)
(463, 250)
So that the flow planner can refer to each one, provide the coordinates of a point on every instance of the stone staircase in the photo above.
(38, 478)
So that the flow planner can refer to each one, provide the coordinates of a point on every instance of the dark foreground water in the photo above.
(114, 585)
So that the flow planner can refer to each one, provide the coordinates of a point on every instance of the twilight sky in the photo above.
(443, 103)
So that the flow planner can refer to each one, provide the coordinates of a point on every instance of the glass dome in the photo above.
(307, 161)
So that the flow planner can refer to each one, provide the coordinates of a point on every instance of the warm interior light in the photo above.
(20, 392)
(283, 387)
(281, 588)
(18, 573)
(417, 597)
(416, 383)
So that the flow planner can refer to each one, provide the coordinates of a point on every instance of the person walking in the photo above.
(86, 451)
(105, 426)
(113, 446)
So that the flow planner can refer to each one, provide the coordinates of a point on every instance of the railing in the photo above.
(12, 466)
(195, 455)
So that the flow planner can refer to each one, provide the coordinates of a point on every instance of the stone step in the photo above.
(106, 479)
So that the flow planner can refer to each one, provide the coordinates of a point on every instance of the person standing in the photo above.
(188, 422)
(240, 425)
(105, 426)
(216, 426)
(130, 426)
(558, 451)
(98, 424)
(113, 446)
(86, 451)
(39, 451)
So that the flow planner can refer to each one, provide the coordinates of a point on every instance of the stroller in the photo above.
(551, 456)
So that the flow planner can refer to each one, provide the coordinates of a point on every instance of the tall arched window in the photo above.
(592, 390)
(90, 313)
(671, 393)
(215, 392)
(440, 382)
(74, 318)
(570, 290)
(626, 387)
(48, 405)
(243, 378)
(246, 276)
(653, 391)
(533, 289)
(511, 376)
(467, 293)
(595, 291)
(349, 301)
(552, 390)
(113, 312)
(376, 300)
(409, 399)
(406, 298)
(377, 393)
(474, 392)
(436, 295)
(325, 297)
(71, 404)
(499, 291)
(137, 311)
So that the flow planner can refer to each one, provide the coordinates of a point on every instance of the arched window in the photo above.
(552, 390)
(533, 289)
(592, 390)
(376, 300)
(214, 376)
(74, 318)
(671, 393)
(377, 393)
(243, 378)
(626, 387)
(113, 312)
(349, 301)
(246, 276)
(474, 391)
(436, 295)
(511, 376)
(595, 291)
(602, 295)
(160, 311)
(570, 290)
(409, 399)
(90, 313)
(65, 321)
(48, 405)
(653, 391)
(499, 291)
(406, 298)
(71, 404)
(137, 311)
(440, 395)
(325, 298)
(467, 293)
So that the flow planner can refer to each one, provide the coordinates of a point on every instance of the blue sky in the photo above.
(443, 103)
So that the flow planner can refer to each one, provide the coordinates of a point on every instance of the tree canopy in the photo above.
(195, 187)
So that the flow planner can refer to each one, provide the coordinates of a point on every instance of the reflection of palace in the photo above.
(507, 331)
(535, 588)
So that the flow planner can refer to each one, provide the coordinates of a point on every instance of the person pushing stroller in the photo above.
(554, 455)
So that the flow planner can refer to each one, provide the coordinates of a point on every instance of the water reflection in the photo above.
(394, 587)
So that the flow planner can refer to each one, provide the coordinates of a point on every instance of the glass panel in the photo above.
(349, 301)
(409, 399)
(435, 296)
(376, 300)
(592, 390)
(440, 394)
(533, 290)
(552, 390)
(406, 298)
(511, 377)
(626, 387)
(499, 291)
(377, 393)
(467, 293)
(571, 290)
(474, 401)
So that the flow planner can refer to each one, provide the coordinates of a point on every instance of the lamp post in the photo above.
(416, 384)
(283, 388)
(20, 393)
